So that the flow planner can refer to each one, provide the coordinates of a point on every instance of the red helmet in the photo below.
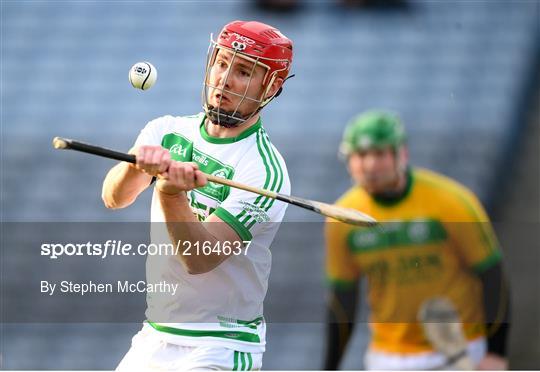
(259, 43)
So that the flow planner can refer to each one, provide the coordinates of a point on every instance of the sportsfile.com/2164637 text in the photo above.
(118, 248)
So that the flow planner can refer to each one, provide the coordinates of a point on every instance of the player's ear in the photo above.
(403, 156)
(348, 165)
(276, 85)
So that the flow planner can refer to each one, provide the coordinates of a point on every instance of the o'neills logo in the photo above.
(178, 150)
(219, 173)
(201, 159)
(243, 39)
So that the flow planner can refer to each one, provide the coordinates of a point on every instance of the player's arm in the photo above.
(340, 320)
(496, 296)
(183, 225)
(479, 248)
(342, 276)
(125, 181)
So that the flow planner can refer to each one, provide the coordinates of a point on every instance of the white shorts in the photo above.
(149, 352)
(377, 360)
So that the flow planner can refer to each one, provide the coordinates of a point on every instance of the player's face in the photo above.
(376, 170)
(233, 78)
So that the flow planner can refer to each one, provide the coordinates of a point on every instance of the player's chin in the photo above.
(372, 186)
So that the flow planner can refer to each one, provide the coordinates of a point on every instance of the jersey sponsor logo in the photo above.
(367, 239)
(182, 149)
(179, 150)
(397, 234)
(210, 165)
(179, 146)
(200, 158)
(418, 231)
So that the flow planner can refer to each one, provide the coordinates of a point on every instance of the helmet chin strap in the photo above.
(228, 119)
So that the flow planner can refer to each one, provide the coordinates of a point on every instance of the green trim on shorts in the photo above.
(235, 367)
(243, 360)
(230, 335)
(242, 356)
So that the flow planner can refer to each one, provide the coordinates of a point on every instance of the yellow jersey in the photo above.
(431, 242)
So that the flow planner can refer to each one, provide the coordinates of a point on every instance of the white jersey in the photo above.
(223, 307)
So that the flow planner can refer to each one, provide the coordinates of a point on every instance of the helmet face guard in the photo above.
(257, 53)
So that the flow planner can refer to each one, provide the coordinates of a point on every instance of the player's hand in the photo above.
(180, 177)
(153, 160)
(493, 362)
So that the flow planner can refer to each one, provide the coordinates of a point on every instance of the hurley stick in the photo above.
(444, 330)
(346, 215)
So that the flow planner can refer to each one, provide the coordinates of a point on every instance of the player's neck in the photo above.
(223, 132)
(398, 192)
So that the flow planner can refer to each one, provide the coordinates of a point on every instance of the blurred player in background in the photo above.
(439, 243)
(215, 320)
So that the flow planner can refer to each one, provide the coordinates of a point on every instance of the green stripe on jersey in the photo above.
(230, 335)
(250, 362)
(276, 175)
(245, 219)
(281, 176)
(239, 215)
(251, 224)
(265, 162)
(234, 223)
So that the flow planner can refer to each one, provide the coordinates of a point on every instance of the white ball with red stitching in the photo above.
(142, 75)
